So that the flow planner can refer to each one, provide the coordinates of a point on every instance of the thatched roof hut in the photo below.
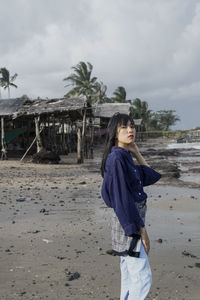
(106, 110)
(20, 107)
(9, 106)
(58, 115)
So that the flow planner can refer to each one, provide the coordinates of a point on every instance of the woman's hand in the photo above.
(133, 148)
(145, 239)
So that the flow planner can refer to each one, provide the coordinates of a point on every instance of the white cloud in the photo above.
(150, 47)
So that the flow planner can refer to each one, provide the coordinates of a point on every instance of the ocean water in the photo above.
(187, 160)
(184, 146)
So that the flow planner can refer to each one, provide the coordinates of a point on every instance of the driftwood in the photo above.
(30, 147)
(46, 157)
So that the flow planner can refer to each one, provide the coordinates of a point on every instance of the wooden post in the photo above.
(91, 154)
(83, 135)
(79, 150)
(63, 137)
(37, 134)
(3, 143)
(54, 135)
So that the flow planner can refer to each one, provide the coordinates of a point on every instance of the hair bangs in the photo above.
(124, 119)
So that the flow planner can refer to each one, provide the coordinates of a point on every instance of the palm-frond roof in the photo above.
(20, 107)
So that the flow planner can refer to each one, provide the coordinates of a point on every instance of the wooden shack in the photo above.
(52, 123)
(106, 110)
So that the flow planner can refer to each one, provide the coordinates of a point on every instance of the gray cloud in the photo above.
(150, 47)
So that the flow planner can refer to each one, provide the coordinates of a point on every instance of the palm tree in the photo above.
(82, 81)
(83, 85)
(119, 95)
(139, 110)
(6, 81)
(101, 96)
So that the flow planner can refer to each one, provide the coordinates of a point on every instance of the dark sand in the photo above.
(62, 227)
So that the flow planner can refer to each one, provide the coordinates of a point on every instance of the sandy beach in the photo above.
(55, 231)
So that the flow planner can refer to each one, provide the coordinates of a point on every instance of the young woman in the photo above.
(122, 190)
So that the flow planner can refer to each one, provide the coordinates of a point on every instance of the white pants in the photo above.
(136, 278)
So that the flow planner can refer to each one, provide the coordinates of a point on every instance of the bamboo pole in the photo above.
(31, 145)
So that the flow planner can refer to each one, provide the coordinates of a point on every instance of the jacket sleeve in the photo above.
(122, 200)
(148, 175)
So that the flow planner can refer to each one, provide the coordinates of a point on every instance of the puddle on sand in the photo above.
(190, 178)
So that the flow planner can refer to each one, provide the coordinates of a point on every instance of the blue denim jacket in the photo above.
(123, 186)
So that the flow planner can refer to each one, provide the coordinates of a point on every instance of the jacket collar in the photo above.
(116, 148)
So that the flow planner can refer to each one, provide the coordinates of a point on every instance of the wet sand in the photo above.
(62, 228)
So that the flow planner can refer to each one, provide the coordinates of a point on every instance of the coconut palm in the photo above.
(119, 95)
(6, 81)
(83, 85)
(139, 110)
(82, 81)
(100, 96)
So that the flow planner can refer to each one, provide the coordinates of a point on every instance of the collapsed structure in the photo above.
(60, 125)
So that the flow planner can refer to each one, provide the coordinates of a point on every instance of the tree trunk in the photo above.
(83, 135)
(79, 155)
(8, 92)
(3, 143)
(91, 153)
(37, 134)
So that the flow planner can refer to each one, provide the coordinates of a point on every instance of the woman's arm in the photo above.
(145, 239)
(133, 148)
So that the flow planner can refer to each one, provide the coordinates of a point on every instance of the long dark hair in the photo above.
(115, 120)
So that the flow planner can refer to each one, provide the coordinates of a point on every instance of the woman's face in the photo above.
(125, 134)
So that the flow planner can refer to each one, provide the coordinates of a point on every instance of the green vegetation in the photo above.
(95, 92)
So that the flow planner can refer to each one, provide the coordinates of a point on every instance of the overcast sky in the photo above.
(151, 47)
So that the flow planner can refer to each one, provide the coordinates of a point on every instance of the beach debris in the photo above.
(73, 276)
(159, 240)
(186, 253)
(21, 199)
(82, 182)
(42, 210)
(34, 231)
(197, 265)
(47, 241)
(60, 257)
(46, 157)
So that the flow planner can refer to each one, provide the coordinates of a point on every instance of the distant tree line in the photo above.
(84, 84)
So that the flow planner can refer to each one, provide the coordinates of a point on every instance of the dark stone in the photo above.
(186, 253)
(46, 157)
(197, 265)
(73, 276)
(159, 240)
